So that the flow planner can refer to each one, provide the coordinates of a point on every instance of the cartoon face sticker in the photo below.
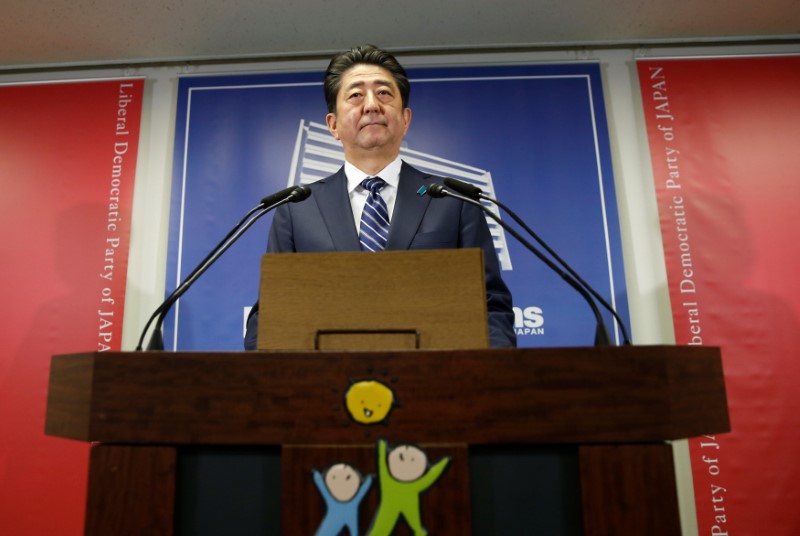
(368, 401)
(342, 481)
(407, 463)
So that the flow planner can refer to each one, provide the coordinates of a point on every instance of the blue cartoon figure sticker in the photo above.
(342, 488)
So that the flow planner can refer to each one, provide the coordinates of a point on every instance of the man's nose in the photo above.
(371, 103)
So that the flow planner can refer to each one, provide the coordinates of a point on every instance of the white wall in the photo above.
(643, 255)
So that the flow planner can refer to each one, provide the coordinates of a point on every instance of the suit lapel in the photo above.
(409, 208)
(334, 206)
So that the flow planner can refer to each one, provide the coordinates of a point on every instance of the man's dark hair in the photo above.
(371, 55)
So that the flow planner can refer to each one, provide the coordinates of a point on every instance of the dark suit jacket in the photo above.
(324, 222)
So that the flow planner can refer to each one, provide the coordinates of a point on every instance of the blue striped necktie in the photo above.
(374, 229)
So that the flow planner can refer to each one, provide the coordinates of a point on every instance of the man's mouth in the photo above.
(374, 124)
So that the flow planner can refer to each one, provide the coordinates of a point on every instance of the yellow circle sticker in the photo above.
(369, 402)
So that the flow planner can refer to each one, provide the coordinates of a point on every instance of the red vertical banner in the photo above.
(67, 165)
(724, 140)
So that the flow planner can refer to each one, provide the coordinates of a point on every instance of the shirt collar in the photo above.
(391, 174)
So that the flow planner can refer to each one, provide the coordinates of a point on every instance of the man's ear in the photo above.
(407, 119)
(330, 120)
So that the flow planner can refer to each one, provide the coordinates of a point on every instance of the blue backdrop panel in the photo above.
(535, 136)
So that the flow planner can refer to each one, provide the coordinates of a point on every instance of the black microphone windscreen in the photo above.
(300, 193)
(464, 188)
(436, 190)
(278, 196)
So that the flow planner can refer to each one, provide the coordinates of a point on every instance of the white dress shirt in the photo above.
(358, 194)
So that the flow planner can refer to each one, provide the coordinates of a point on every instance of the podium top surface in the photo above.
(511, 396)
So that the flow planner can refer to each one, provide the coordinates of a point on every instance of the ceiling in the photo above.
(59, 33)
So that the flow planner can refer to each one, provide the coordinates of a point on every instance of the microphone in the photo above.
(601, 333)
(436, 190)
(293, 194)
(464, 188)
(473, 192)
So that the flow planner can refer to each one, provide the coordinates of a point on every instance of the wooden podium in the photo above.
(424, 299)
(322, 330)
(619, 404)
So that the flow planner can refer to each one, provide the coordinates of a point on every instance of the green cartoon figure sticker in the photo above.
(404, 474)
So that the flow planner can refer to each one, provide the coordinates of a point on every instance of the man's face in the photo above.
(369, 116)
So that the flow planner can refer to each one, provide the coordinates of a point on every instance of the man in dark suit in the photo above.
(367, 92)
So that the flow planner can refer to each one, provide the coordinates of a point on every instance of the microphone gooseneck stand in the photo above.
(473, 192)
(601, 337)
(293, 194)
